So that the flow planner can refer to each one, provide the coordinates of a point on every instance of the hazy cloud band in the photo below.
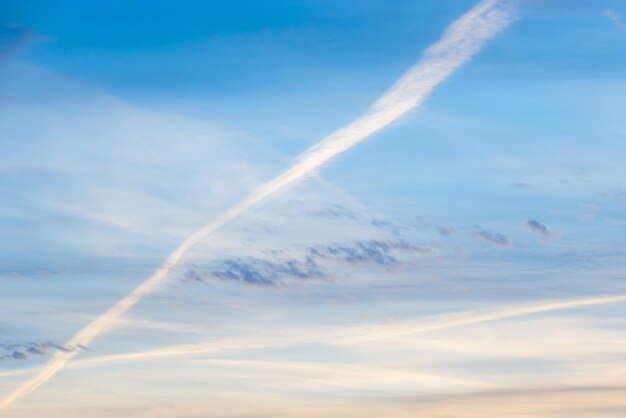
(463, 39)
(346, 336)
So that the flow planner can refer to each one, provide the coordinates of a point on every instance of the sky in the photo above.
(465, 258)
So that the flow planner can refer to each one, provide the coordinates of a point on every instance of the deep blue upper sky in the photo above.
(125, 125)
(224, 46)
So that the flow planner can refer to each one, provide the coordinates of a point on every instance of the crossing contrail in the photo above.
(476, 317)
(462, 39)
(343, 336)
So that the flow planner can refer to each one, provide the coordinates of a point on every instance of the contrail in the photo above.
(477, 317)
(463, 39)
(359, 335)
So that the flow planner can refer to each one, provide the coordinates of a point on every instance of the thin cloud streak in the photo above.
(15, 39)
(615, 16)
(356, 335)
(477, 317)
(463, 39)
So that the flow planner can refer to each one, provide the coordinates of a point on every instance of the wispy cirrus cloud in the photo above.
(15, 39)
(493, 238)
(372, 251)
(396, 228)
(340, 212)
(615, 16)
(335, 212)
(445, 231)
(274, 272)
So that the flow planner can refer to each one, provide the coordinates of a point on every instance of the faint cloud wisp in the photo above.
(15, 39)
(494, 238)
(615, 16)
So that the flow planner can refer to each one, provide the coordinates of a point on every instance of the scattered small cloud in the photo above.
(275, 272)
(261, 272)
(493, 238)
(193, 275)
(372, 251)
(389, 225)
(615, 16)
(341, 212)
(22, 351)
(445, 231)
(378, 222)
(335, 212)
(15, 39)
(539, 229)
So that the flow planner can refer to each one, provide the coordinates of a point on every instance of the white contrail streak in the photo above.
(354, 335)
(463, 38)
(476, 317)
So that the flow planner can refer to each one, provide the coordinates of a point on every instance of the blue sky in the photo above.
(393, 281)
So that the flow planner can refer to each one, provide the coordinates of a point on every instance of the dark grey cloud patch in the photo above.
(38, 349)
(22, 351)
(14, 39)
(539, 228)
(261, 272)
(276, 272)
(372, 251)
(493, 238)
